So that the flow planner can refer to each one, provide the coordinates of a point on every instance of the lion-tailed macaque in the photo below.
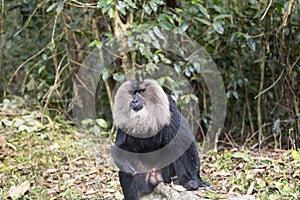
(148, 121)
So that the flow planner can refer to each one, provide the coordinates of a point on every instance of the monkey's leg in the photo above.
(195, 168)
(129, 186)
(187, 169)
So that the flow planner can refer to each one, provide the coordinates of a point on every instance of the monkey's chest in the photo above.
(145, 145)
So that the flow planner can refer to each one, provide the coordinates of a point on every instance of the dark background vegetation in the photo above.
(255, 45)
(43, 43)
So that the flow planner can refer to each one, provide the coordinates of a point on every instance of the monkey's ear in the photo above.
(174, 95)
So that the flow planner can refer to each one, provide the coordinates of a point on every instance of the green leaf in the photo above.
(119, 77)
(184, 26)
(194, 97)
(97, 130)
(235, 94)
(153, 6)
(52, 7)
(111, 13)
(105, 74)
(203, 21)
(218, 27)
(44, 56)
(187, 72)
(146, 52)
(87, 122)
(164, 59)
(295, 155)
(150, 68)
(121, 7)
(151, 34)
(251, 43)
(276, 126)
(60, 7)
(197, 66)
(155, 3)
(242, 156)
(146, 38)
(101, 4)
(222, 16)
(177, 66)
(203, 10)
(31, 84)
(192, 69)
(130, 3)
(165, 21)
(160, 2)
(147, 9)
(165, 25)
(96, 43)
(158, 33)
(106, 6)
(197, 1)
(232, 37)
(155, 58)
(102, 123)
(186, 98)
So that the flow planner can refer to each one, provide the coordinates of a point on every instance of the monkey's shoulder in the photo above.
(142, 145)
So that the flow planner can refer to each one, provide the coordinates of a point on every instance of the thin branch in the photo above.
(267, 10)
(54, 86)
(264, 91)
(217, 140)
(29, 19)
(26, 61)
(296, 61)
(254, 134)
(288, 13)
(82, 5)
(29, 59)
(30, 70)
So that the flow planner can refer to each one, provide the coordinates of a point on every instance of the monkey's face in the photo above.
(137, 96)
(141, 109)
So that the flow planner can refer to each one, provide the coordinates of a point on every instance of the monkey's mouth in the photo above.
(136, 106)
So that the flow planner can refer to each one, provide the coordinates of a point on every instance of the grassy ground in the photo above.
(55, 160)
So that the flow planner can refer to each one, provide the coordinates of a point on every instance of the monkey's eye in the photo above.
(141, 91)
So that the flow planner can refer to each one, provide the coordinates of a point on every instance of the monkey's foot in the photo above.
(192, 185)
(203, 183)
(195, 184)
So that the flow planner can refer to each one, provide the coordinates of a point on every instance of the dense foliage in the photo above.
(255, 45)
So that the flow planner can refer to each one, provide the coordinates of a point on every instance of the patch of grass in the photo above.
(265, 174)
(62, 162)
(58, 160)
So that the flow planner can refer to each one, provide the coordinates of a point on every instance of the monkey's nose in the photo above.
(136, 105)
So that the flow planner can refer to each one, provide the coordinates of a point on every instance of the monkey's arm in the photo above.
(119, 157)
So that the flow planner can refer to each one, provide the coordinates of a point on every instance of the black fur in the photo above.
(186, 167)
